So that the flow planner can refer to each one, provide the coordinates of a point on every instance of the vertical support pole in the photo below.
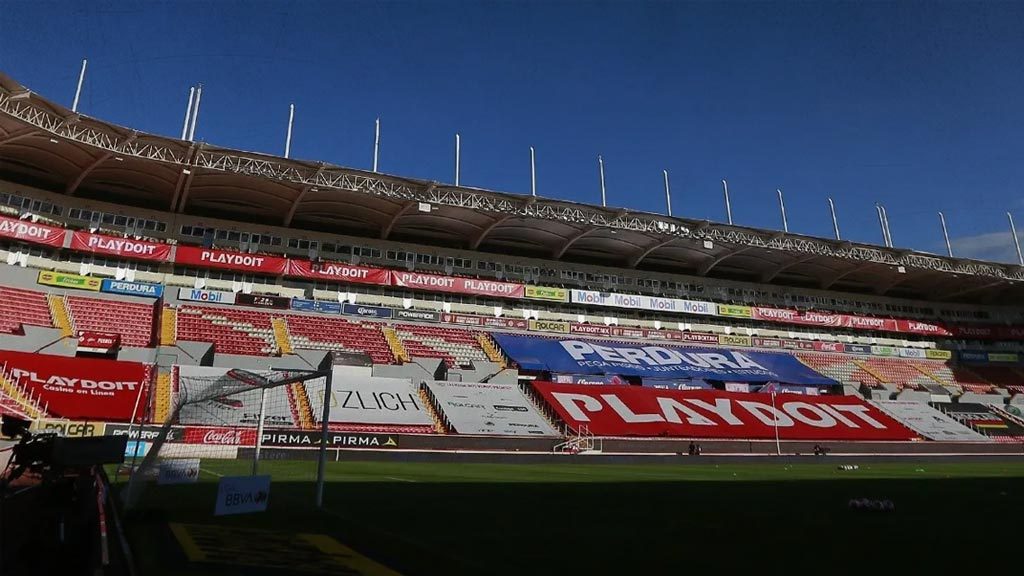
(775, 417)
(782, 207)
(78, 90)
(259, 430)
(835, 220)
(188, 112)
(600, 171)
(458, 158)
(881, 223)
(376, 143)
(325, 415)
(533, 172)
(288, 138)
(668, 193)
(945, 234)
(728, 204)
(888, 231)
(195, 114)
(1016, 239)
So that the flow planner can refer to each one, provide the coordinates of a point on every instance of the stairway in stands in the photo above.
(59, 312)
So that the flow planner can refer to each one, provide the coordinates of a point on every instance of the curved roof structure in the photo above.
(48, 146)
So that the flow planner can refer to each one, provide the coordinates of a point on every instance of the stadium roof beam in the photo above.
(961, 291)
(406, 208)
(184, 184)
(298, 199)
(15, 136)
(72, 186)
(827, 283)
(703, 269)
(636, 260)
(774, 273)
(475, 243)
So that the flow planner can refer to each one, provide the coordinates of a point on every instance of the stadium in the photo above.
(409, 360)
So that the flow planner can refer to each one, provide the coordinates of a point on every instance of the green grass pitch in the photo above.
(498, 519)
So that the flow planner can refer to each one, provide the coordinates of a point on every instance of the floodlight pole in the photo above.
(78, 91)
(533, 172)
(376, 144)
(775, 416)
(259, 429)
(325, 414)
(835, 221)
(600, 171)
(458, 158)
(195, 114)
(782, 207)
(728, 204)
(945, 234)
(668, 193)
(188, 112)
(1016, 239)
(288, 138)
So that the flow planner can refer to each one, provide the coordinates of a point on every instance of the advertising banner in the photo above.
(242, 495)
(208, 296)
(122, 247)
(937, 354)
(858, 349)
(263, 301)
(178, 471)
(98, 342)
(734, 340)
(500, 409)
(335, 439)
(321, 306)
(635, 359)
(63, 280)
(144, 289)
(884, 351)
(592, 379)
(829, 346)
(338, 272)
(696, 337)
(357, 398)
(220, 435)
(417, 315)
(911, 353)
(549, 326)
(28, 231)
(766, 342)
(510, 323)
(458, 285)
(639, 411)
(1003, 357)
(925, 328)
(590, 329)
(973, 356)
(675, 384)
(366, 311)
(548, 293)
(641, 302)
(735, 311)
(79, 388)
(69, 428)
(462, 319)
(225, 260)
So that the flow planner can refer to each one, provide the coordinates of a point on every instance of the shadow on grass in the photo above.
(616, 528)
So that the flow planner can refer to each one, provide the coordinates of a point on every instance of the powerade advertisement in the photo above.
(567, 355)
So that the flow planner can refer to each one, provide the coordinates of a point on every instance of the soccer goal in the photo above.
(223, 422)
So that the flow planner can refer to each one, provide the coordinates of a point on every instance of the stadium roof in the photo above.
(46, 145)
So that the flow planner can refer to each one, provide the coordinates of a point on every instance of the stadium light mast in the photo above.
(376, 143)
(881, 223)
(188, 112)
(195, 114)
(1016, 239)
(78, 91)
(288, 138)
(668, 193)
(888, 231)
(782, 208)
(533, 172)
(945, 234)
(835, 221)
(728, 205)
(600, 171)
(458, 157)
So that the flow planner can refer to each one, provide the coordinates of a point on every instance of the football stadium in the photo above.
(215, 361)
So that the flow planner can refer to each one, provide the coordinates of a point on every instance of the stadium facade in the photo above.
(137, 265)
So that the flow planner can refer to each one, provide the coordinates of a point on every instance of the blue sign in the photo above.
(858, 349)
(242, 495)
(322, 306)
(133, 288)
(973, 356)
(368, 311)
(569, 355)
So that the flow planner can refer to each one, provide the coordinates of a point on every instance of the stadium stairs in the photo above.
(441, 425)
(304, 410)
(18, 401)
(162, 398)
(59, 313)
(546, 411)
(168, 327)
(281, 335)
(397, 350)
(491, 350)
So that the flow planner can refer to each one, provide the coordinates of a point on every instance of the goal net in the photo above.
(223, 422)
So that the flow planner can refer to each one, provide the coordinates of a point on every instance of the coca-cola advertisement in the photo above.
(220, 436)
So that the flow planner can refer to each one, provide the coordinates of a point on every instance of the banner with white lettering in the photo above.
(338, 272)
(123, 247)
(145, 289)
(242, 495)
(78, 388)
(457, 284)
(28, 231)
(501, 409)
(223, 259)
(642, 302)
(358, 398)
(639, 411)
(574, 356)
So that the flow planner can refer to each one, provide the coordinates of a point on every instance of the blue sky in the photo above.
(915, 105)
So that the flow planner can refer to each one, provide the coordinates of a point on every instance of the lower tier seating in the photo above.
(18, 306)
(458, 347)
(231, 330)
(133, 321)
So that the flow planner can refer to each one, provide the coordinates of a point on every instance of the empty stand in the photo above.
(897, 372)
(984, 420)
(230, 330)
(18, 306)
(338, 334)
(840, 367)
(132, 320)
(1001, 376)
(456, 346)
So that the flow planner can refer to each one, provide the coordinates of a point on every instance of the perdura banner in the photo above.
(123, 247)
(635, 359)
(79, 388)
(639, 411)
(223, 259)
(547, 293)
(28, 231)
(338, 272)
(63, 280)
(132, 288)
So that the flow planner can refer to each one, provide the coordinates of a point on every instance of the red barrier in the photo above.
(124, 247)
(636, 411)
(338, 272)
(79, 388)
(210, 258)
(29, 231)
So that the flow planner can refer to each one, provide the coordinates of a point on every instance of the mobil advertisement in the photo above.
(457, 284)
(144, 289)
(208, 296)
(642, 302)
(226, 260)
(122, 247)
(639, 411)
(28, 231)
(338, 272)
(79, 388)
(566, 355)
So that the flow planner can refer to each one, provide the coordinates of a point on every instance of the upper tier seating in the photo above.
(897, 372)
(840, 367)
(970, 381)
(231, 330)
(133, 321)
(1003, 376)
(333, 333)
(18, 306)
(458, 347)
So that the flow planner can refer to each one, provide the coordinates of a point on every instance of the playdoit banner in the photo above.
(640, 411)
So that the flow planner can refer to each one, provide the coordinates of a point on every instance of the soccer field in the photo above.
(423, 518)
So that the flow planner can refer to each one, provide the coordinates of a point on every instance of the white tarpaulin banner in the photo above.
(641, 302)
(358, 398)
(502, 409)
(929, 422)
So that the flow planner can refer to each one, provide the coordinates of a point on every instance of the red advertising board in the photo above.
(98, 342)
(462, 319)
(338, 272)
(590, 329)
(219, 436)
(510, 323)
(210, 258)
(79, 388)
(28, 231)
(639, 411)
(457, 284)
(829, 346)
(124, 247)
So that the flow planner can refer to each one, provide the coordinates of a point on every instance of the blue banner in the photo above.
(569, 355)
(858, 349)
(321, 306)
(133, 288)
(368, 311)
